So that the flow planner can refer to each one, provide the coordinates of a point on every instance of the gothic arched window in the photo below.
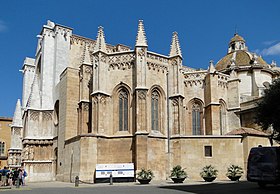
(196, 119)
(155, 110)
(123, 110)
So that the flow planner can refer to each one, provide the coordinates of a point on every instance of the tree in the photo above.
(268, 110)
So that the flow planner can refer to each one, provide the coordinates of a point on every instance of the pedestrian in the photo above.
(15, 176)
(4, 173)
(20, 175)
(23, 176)
(1, 183)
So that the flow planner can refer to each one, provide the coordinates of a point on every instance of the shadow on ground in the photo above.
(221, 188)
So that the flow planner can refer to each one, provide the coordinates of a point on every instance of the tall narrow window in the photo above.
(123, 110)
(196, 119)
(222, 118)
(155, 110)
(2, 148)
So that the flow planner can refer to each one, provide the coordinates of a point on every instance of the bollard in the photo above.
(76, 181)
(111, 179)
(17, 182)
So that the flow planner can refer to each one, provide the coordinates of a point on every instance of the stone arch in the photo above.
(223, 116)
(156, 108)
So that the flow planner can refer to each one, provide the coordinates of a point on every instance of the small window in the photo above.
(208, 151)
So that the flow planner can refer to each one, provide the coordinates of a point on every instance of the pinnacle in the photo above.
(17, 119)
(100, 44)
(86, 56)
(141, 39)
(175, 49)
(211, 68)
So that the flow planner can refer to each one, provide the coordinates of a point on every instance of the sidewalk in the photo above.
(57, 184)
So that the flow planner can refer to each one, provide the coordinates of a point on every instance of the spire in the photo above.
(141, 35)
(17, 119)
(100, 44)
(175, 49)
(86, 56)
(211, 68)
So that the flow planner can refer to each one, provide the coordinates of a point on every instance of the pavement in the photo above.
(58, 184)
(155, 187)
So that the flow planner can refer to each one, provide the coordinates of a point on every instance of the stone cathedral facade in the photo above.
(86, 102)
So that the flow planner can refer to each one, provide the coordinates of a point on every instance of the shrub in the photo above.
(145, 174)
(234, 171)
(209, 171)
(178, 172)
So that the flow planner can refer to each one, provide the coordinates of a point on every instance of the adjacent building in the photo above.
(86, 102)
(5, 140)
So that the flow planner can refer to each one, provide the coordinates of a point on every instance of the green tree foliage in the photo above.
(268, 110)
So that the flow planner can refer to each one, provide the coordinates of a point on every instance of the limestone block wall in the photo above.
(39, 171)
(69, 99)
(70, 166)
(5, 137)
(88, 158)
(189, 153)
(115, 150)
(157, 157)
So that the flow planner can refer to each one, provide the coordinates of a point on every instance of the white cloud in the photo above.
(273, 50)
(270, 42)
(3, 26)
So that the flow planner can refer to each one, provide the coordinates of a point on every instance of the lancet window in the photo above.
(155, 110)
(123, 110)
(196, 119)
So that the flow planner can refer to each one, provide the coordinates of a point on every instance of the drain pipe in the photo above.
(167, 106)
(168, 127)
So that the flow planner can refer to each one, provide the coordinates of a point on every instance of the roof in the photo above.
(236, 38)
(242, 58)
(6, 119)
(248, 131)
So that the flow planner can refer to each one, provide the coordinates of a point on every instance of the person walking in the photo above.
(4, 173)
(23, 176)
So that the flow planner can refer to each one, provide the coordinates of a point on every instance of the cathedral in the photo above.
(86, 102)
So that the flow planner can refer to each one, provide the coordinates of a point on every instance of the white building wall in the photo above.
(28, 76)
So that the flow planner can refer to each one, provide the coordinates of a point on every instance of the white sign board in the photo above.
(117, 170)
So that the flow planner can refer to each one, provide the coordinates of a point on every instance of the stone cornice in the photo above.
(212, 104)
(176, 96)
(99, 92)
(44, 141)
(141, 88)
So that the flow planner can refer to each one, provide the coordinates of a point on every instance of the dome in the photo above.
(240, 58)
(238, 55)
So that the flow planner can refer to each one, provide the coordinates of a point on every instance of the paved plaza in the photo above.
(217, 187)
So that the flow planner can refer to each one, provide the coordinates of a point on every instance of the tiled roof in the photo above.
(237, 38)
(248, 131)
(242, 58)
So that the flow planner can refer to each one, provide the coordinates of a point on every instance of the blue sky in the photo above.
(204, 28)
